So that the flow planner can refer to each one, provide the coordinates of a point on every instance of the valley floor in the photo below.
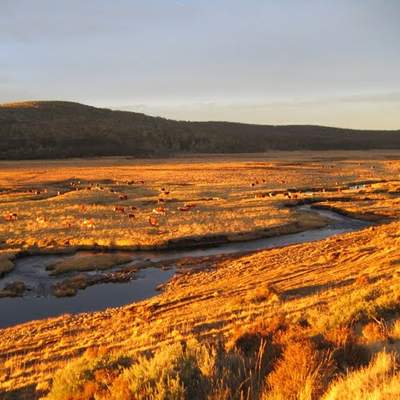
(349, 281)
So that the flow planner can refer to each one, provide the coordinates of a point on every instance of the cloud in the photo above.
(202, 59)
(392, 97)
(372, 111)
(49, 20)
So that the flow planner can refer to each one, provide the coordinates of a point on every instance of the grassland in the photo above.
(332, 305)
(108, 203)
(90, 213)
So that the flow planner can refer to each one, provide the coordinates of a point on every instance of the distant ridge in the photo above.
(59, 129)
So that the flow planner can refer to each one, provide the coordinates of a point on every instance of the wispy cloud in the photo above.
(360, 111)
(257, 61)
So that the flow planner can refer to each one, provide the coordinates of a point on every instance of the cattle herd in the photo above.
(130, 211)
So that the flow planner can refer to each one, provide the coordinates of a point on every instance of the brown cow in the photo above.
(153, 221)
(88, 223)
(10, 216)
(159, 210)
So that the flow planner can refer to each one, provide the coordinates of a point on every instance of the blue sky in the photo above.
(330, 62)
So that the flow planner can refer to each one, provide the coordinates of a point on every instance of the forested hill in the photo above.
(55, 129)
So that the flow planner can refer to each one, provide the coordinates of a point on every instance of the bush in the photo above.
(173, 373)
(83, 377)
(183, 371)
(303, 372)
(374, 332)
(347, 353)
(379, 381)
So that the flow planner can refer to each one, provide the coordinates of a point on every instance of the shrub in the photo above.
(183, 371)
(247, 339)
(268, 293)
(303, 372)
(374, 332)
(395, 330)
(359, 305)
(347, 353)
(379, 381)
(173, 372)
(362, 280)
(83, 377)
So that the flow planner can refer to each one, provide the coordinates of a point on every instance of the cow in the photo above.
(159, 210)
(153, 221)
(10, 216)
(88, 223)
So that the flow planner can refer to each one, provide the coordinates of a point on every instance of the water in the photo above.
(99, 297)
(39, 304)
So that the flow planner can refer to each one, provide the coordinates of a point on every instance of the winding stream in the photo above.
(39, 304)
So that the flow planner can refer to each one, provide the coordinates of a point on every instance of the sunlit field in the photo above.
(119, 203)
(234, 327)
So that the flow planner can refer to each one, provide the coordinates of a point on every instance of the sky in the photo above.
(326, 62)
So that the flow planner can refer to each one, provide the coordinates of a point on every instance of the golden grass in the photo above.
(225, 207)
(72, 204)
(301, 373)
(316, 284)
(89, 263)
(6, 265)
(379, 381)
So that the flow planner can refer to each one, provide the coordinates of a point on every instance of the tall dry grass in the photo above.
(380, 380)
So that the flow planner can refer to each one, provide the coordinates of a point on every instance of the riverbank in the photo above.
(320, 282)
(123, 284)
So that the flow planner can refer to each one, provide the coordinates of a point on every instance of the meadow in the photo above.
(328, 310)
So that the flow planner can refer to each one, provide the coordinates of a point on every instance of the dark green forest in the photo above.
(55, 129)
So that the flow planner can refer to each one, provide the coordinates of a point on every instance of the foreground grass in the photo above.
(269, 361)
(379, 380)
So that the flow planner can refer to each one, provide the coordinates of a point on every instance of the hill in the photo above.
(55, 129)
